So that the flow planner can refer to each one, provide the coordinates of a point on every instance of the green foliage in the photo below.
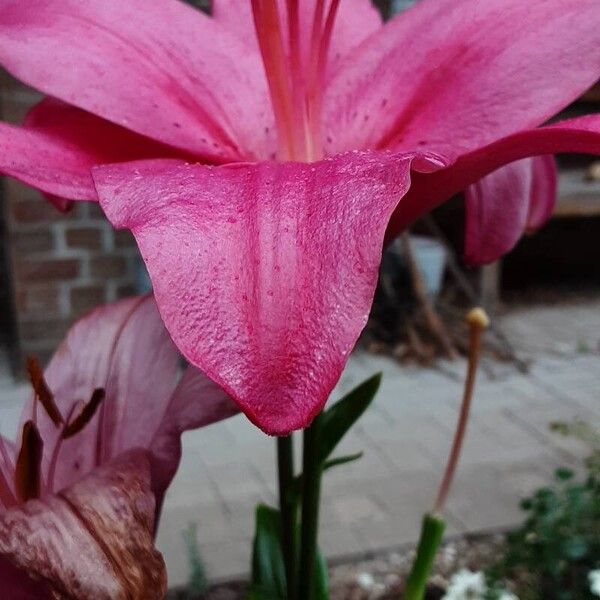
(268, 569)
(550, 555)
(337, 420)
(268, 565)
(197, 584)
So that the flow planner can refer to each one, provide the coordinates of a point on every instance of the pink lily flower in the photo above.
(81, 491)
(264, 267)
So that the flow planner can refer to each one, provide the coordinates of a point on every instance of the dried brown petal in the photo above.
(92, 541)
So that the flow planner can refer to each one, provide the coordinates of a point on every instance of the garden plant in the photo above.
(262, 155)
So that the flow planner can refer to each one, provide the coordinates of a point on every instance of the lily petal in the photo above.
(500, 207)
(59, 144)
(543, 193)
(197, 402)
(454, 75)
(124, 349)
(161, 69)
(355, 21)
(263, 273)
(7, 471)
(92, 541)
(428, 190)
(46, 163)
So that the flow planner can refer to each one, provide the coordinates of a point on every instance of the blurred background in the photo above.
(541, 366)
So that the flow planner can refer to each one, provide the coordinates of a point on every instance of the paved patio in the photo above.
(377, 503)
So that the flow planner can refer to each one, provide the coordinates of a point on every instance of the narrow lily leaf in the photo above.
(337, 420)
(268, 567)
(328, 464)
(294, 248)
(341, 460)
(321, 589)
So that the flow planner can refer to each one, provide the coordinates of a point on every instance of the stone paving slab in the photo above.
(377, 502)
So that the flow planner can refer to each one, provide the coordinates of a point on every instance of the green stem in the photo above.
(287, 507)
(311, 491)
(432, 531)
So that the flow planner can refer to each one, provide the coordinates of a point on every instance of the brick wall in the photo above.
(59, 265)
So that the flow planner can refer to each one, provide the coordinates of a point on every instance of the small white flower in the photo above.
(507, 596)
(365, 580)
(594, 580)
(466, 585)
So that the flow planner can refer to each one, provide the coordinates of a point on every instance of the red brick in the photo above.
(45, 331)
(27, 242)
(108, 266)
(124, 291)
(95, 211)
(38, 211)
(123, 238)
(37, 300)
(47, 270)
(84, 299)
(84, 237)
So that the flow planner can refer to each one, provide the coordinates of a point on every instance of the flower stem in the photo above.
(432, 531)
(433, 526)
(477, 321)
(311, 491)
(287, 508)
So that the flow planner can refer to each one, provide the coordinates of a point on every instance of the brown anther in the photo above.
(477, 317)
(42, 391)
(28, 471)
(85, 416)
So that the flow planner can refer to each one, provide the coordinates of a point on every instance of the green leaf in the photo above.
(321, 589)
(198, 584)
(268, 567)
(329, 464)
(575, 548)
(337, 420)
(341, 460)
(563, 474)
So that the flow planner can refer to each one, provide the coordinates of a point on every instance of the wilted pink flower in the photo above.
(81, 491)
(264, 271)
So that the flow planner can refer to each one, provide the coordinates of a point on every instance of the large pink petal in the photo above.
(428, 190)
(264, 273)
(52, 165)
(454, 75)
(92, 541)
(356, 20)
(160, 68)
(501, 206)
(59, 144)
